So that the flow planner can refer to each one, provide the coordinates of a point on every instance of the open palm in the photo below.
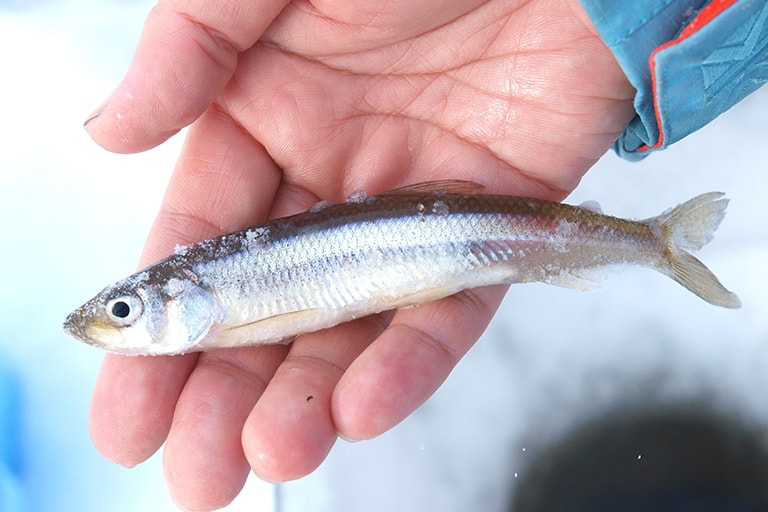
(322, 99)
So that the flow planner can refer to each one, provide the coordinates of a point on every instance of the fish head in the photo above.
(146, 315)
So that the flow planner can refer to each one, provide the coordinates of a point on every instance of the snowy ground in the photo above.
(551, 358)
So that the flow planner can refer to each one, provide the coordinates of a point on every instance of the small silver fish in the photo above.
(334, 263)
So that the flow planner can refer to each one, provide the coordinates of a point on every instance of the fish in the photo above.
(337, 262)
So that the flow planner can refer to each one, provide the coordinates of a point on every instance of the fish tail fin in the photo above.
(688, 227)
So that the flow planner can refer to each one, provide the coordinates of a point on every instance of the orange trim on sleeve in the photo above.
(711, 11)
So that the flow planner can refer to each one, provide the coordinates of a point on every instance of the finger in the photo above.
(222, 182)
(187, 53)
(204, 463)
(132, 405)
(410, 360)
(290, 430)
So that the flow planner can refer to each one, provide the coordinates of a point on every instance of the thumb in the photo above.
(187, 53)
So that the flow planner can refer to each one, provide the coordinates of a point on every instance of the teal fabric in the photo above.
(697, 79)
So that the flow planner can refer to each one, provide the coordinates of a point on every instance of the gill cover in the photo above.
(190, 312)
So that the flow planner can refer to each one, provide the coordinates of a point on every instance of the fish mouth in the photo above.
(97, 333)
(80, 330)
(72, 327)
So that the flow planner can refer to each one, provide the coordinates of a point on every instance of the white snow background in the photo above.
(74, 218)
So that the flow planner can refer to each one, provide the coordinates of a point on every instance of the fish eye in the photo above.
(121, 309)
(124, 310)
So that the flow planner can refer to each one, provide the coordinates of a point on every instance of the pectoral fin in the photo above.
(271, 322)
(275, 329)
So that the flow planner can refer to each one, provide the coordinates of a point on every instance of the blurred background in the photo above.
(565, 391)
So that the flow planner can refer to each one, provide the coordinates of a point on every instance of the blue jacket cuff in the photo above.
(690, 61)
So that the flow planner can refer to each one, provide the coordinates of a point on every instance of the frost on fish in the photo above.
(440, 208)
(255, 239)
(358, 196)
(338, 262)
(181, 249)
(320, 206)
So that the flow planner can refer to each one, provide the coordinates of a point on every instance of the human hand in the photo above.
(295, 103)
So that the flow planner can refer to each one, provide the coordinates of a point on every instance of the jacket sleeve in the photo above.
(689, 60)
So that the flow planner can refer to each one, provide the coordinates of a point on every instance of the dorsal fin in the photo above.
(443, 186)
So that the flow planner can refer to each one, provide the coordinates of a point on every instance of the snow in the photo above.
(552, 357)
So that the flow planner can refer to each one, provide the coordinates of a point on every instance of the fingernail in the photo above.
(90, 118)
(348, 439)
(97, 112)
